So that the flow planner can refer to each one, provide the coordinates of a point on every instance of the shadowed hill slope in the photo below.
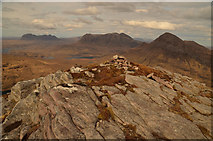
(176, 55)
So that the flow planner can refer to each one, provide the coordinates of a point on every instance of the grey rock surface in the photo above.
(132, 106)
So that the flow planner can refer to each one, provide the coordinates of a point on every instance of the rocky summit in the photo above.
(113, 100)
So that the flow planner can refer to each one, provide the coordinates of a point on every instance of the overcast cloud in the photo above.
(189, 21)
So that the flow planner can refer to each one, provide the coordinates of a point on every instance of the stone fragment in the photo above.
(111, 90)
(115, 57)
(76, 69)
(23, 89)
(89, 74)
(95, 69)
(123, 88)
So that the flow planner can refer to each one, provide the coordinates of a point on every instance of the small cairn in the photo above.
(121, 62)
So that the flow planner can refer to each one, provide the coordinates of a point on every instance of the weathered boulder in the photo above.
(22, 89)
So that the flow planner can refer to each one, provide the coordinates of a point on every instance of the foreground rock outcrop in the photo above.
(114, 100)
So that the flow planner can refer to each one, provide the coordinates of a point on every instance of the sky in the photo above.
(189, 21)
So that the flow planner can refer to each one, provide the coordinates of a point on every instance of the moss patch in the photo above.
(131, 88)
(159, 136)
(78, 75)
(145, 70)
(190, 98)
(130, 133)
(177, 109)
(107, 80)
(105, 113)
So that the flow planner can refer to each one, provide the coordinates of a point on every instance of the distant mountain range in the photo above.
(143, 40)
(38, 37)
(110, 40)
(167, 51)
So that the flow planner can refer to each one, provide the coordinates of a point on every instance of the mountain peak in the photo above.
(169, 41)
(109, 39)
(169, 37)
(31, 36)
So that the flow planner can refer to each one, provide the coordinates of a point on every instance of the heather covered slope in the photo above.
(114, 100)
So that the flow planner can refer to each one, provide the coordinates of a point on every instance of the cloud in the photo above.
(92, 10)
(14, 23)
(97, 18)
(101, 4)
(152, 24)
(186, 11)
(81, 20)
(7, 9)
(43, 25)
(43, 14)
(122, 7)
(121, 31)
(113, 6)
(141, 10)
(69, 29)
(78, 25)
(198, 13)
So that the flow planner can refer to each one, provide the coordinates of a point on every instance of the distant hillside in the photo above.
(174, 54)
(38, 37)
(110, 40)
(144, 40)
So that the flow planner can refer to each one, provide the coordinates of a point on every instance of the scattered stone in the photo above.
(135, 68)
(159, 80)
(76, 69)
(123, 88)
(115, 57)
(102, 65)
(111, 90)
(95, 69)
(130, 72)
(89, 74)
